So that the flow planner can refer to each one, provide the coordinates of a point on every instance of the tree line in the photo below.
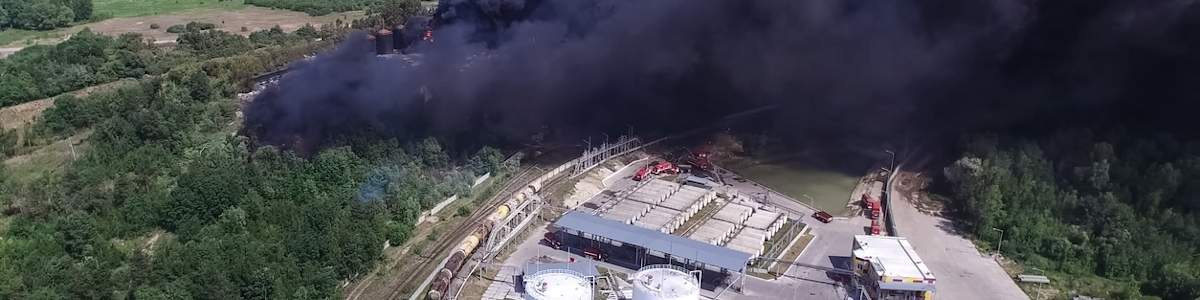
(43, 14)
(317, 7)
(1119, 205)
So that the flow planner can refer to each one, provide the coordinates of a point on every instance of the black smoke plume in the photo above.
(503, 71)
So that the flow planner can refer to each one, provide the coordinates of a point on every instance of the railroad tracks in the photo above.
(412, 283)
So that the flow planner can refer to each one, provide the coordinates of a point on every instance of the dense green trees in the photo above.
(43, 14)
(85, 59)
(88, 58)
(166, 204)
(316, 7)
(1120, 206)
(388, 14)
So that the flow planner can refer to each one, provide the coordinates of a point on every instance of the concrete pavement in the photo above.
(962, 272)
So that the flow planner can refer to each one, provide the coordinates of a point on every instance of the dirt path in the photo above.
(24, 114)
(5, 52)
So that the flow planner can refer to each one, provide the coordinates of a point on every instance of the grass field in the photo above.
(137, 8)
(830, 190)
(9, 36)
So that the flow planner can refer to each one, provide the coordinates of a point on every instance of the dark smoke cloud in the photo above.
(501, 71)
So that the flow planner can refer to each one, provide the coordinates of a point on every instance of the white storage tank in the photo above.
(558, 284)
(665, 282)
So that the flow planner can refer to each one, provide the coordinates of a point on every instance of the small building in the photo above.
(888, 268)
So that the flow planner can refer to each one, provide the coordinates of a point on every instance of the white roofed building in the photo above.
(889, 268)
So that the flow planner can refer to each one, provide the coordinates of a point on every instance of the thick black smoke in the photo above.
(507, 70)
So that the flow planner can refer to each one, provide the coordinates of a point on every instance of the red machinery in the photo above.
(700, 159)
(656, 168)
(665, 167)
(641, 173)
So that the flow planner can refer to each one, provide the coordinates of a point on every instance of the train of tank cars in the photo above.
(445, 275)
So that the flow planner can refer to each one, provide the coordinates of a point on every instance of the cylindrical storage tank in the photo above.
(383, 41)
(664, 282)
(558, 284)
(398, 38)
(370, 41)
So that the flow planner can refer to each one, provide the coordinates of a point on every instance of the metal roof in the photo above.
(891, 256)
(676, 246)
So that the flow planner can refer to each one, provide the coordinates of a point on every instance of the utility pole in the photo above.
(1001, 243)
(892, 165)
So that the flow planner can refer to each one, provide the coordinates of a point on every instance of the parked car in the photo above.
(822, 216)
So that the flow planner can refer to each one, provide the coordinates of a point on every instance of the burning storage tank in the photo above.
(557, 284)
(383, 42)
(398, 42)
(665, 282)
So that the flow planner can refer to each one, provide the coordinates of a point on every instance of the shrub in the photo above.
(198, 26)
(177, 28)
(154, 26)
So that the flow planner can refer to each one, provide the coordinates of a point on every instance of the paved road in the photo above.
(961, 271)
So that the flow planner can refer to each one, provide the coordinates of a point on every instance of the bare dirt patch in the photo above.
(253, 18)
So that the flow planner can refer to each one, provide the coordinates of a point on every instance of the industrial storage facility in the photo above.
(652, 243)
(889, 268)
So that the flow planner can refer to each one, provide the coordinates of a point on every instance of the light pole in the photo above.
(893, 160)
(1001, 243)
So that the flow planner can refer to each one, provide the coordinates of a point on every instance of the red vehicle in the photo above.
(641, 173)
(595, 253)
(875, 227)
(665, 167)
(822, 216)
(873, 209)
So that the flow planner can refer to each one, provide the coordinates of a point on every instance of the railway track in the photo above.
(427, 265)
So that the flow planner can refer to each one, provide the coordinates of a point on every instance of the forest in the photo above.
(43, 14)
(87, 58)
(1115, 214)
(164, 202)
